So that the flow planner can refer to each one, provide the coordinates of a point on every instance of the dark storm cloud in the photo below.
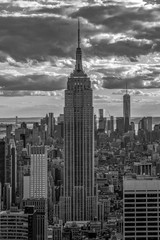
(132, 82)
(37, 38)
(128, 48)
(48, 34)
(33, 82)
(116, 18)
(152, 1)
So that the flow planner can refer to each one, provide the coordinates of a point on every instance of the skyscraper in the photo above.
(141, 197)
(2, 162)
(35, 183)
(126, 110)
(79, 200)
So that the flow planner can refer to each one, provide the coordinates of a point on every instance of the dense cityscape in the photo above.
(81, 176)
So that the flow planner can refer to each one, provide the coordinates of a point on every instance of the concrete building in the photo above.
(57, 231)
(7, 196)
(2, 162)
(51, 125)
(102, 120)
(35, 183)
(40, 205)
(16, 224)
(141, 199)
(79, 200)
(120, 125)
(126, 110)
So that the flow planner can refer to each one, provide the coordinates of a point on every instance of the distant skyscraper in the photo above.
(102, 120)
(126, 110)
(112, 123)
(51, 124)
(149, 124)
(120, 125)
(79, 200)
(2, 162)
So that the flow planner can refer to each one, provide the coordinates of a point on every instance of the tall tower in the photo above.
(126, 110)
(79, 200)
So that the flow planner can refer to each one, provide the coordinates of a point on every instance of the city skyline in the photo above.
(121, 43)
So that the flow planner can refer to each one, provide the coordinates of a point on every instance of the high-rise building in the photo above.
(2, 162)
(149, 124)
(17, 224)
(102, 120)
(35, 182)
(11, 167)
(120, 125)
(141, 197)
(126, 110)
(51, 125)
(7, 196)
(79, 199)
(40, 206)
(112, 123)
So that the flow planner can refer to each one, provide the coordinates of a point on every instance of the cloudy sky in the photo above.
(120, 40)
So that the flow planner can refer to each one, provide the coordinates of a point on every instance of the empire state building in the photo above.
(78, 202)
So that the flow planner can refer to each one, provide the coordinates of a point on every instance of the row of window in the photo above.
(143, 209)
(140, 224)
(144, 195)
(142, 229)
(141, 233)
(128, 200)
(142, 219)
(142, 214)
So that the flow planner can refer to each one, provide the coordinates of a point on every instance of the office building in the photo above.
(17, 224)
(126, 110)
(79, 199)
(141, 198)
(51, 125)
(120, 125)
(40, 206)
(102, 120)
(35, 181)
(57, 232)
(2, 162)
(11, 167)
(7, 196)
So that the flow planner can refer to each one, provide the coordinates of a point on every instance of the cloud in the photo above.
(33, 82)
(136, 92)
(120, 40)
(20, 93)
(101, 98)
(37, 38)
(133, 82)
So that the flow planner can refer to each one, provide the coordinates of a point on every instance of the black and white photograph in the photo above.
(80, 119)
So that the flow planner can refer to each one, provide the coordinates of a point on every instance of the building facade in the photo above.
(17, 224)
(35, 182)
(141, 196)
(126, 110)
(79, 199)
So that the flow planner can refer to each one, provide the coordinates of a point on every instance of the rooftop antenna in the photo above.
(126, 88)
(79, 40)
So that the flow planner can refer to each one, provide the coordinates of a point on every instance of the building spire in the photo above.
(79, 40)
(126, 88)
(78, 66)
